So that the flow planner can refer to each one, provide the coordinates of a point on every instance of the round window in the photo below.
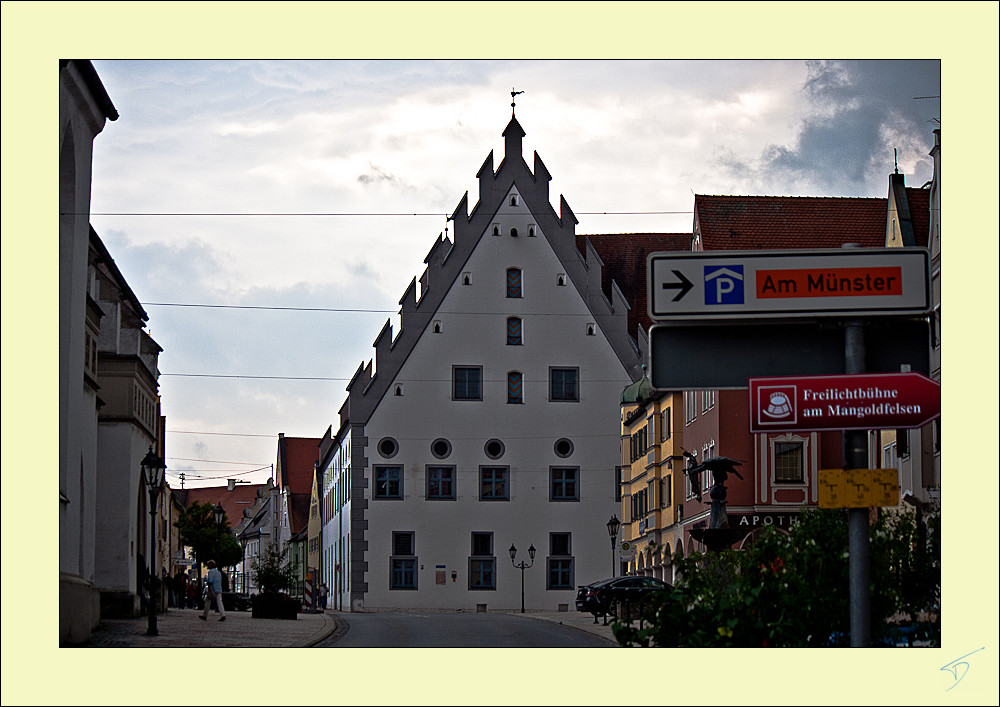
(388, 447)
(563, 448)
(494, 449)
(441, 448)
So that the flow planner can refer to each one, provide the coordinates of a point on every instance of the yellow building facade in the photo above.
(651, 479)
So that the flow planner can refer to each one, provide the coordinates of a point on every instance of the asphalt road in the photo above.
(456, 630)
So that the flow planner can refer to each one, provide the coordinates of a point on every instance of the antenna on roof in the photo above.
(512, 94)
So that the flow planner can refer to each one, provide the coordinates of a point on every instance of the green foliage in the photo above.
(272, 572)
(794, 590)
(197, 529)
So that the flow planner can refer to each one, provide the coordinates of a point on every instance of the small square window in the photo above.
(441, 483)
(467, 383)
(564, 384)
(564, 484)
(388, 482)
(493, 483)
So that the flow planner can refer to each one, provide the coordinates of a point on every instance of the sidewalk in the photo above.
(181, 628)
(576, 619)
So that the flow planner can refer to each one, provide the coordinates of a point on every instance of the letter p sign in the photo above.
(723, 284)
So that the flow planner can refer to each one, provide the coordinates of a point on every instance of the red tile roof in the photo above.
(624, 256)
(233, 502)
(298, 465)
(778, 222)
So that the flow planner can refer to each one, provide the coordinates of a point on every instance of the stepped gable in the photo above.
(777, 222)
(446, 259)
(624, 256)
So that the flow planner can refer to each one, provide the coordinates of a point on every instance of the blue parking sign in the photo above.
(723, 284)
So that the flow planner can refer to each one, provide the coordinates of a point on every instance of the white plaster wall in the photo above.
(473, 320)
(121, 448)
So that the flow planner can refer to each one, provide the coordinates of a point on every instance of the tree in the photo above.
(198, 529)
(271, 570)
(793, 589)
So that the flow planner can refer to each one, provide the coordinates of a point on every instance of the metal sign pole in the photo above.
(856, 457)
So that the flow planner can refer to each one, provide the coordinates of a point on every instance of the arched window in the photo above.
(514, 281)
(514, 331)
(515, 388)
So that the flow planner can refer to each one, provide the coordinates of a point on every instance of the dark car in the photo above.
(612, 596)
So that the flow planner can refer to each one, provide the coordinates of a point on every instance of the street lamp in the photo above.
(153, 469)
(613, 525)
(219, 513)
(521, 566)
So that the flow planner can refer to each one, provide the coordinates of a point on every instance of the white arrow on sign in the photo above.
(788, 283)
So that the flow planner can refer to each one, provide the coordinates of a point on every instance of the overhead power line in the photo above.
(341, 213)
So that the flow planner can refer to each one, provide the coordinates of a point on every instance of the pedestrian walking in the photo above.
(213, 584)
(181, 588)
(322, 595)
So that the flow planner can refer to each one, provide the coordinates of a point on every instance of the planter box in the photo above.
(274, 606)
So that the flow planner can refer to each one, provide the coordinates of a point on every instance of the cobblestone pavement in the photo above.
(181, 628)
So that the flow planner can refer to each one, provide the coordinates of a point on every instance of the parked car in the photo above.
(611, 596)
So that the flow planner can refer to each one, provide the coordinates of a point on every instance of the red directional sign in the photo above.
(853, 402)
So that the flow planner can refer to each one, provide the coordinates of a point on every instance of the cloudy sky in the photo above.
(226, 136)
(291, 202)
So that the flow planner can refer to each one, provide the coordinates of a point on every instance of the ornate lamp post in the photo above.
(613, 525)
(521, 566)
(153, 469)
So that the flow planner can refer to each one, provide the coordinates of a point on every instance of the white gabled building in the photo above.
(490, 419)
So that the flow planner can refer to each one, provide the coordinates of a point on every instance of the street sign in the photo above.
(685, 356)
(788, 283)
(858, 488)
(851, 402)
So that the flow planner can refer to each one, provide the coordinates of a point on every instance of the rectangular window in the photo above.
(564, 384)
(467, 383)
(903, 443)
(666, 491)
(515, 388)
(564, 484)
(440, 483)
(560, 562)
(388, 482)
(665, 425)
(788, 461)
(560, 575)
(514, 283)
(403, 563)
(493, 483)
(514, 331)
(482, 564)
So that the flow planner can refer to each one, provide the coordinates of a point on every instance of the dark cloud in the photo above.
(861, 110)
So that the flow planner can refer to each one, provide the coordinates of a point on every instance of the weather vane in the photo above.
(512, 94)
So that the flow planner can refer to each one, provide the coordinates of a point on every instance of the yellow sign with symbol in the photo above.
(858, 488)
